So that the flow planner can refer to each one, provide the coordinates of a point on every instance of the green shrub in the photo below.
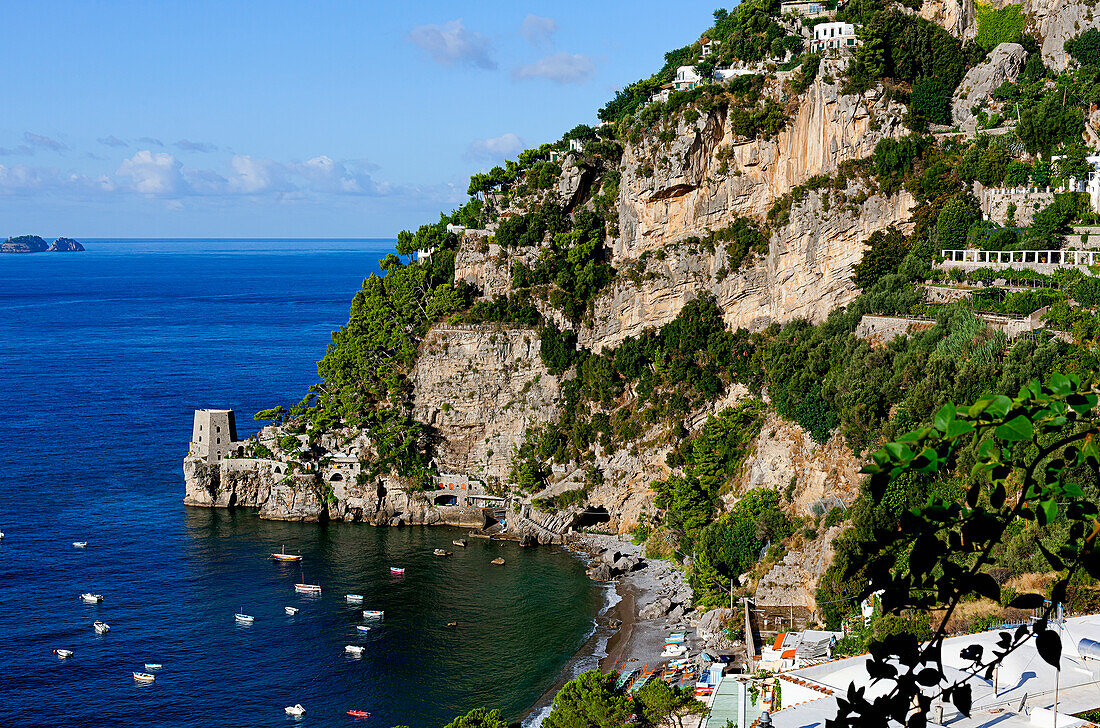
(998, 26)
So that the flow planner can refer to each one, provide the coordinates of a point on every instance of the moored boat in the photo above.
(354, 649)
(284, 556)
(291, 610)
(307, 588)
(441, 552)
(150, 666)
(397, 571)
(79, 544)
(362, 628)
(101, 627)
(358, 714)
(91, 598)
(243, 618)
(295, 709)
(373, 613)
(63, 654)
(497, 561)
(144, 677)
(354, 598)
(459, 542)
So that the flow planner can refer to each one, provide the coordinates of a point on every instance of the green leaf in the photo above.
(959, 427)
(1027, 601)
(1016, 429)
(944, 417)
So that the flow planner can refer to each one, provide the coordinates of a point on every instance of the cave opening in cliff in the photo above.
(591, 516)
(446, 499)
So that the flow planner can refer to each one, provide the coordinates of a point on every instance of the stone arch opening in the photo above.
(591, 516)
(278, 470)
(446, 499)
(336, 477)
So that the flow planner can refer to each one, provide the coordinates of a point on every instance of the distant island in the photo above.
(35, 244)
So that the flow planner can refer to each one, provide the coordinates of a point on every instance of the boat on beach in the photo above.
(285, 557)
(354, 649)
(397, 571)
(296, 710)
(291, 610)
(91, 598)
(101, 627)
(63, 654)
(144, 677)
(80, 544)
(373, 613)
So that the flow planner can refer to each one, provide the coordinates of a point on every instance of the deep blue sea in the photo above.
(104, 355)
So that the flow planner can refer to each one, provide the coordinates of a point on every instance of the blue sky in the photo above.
(349, 119)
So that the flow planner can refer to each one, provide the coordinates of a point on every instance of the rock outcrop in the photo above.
(1056, 21)
(66, 245)
(1002, 66)
(24, 244)
(707, 175)
(784, 453)
(806, 273)
(478, 388)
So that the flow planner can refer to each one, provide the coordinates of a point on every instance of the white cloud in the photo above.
(495, 148)
(559, 67)
(152, 173)
(537, 30)
(452, 44)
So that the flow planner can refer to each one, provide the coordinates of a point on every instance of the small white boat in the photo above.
(1, 535)
(101, 627)
(362, 628)
(373, 613)
(63, 654)
(80, 544)
(354, 649)
(144, 677)
(291, 610)
(295, 709)
(150, 666)
(354, 598)
(397, 571)
(91, 598)
(307, 588)
(243, 618)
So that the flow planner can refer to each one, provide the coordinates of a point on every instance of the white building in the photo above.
(834, 35)
(1092, 184)
(725, 74)
(426, 254)
(803, 9)
(709, 46)
(686, 78)
(1024, 691)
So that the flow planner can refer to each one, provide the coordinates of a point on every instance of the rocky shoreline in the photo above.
(654, 600)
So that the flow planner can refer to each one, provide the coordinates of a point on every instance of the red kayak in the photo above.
(359, 713)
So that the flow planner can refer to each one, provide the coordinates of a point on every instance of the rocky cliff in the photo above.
(478, 388)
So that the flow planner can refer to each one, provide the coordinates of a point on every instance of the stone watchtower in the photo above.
(213, 435)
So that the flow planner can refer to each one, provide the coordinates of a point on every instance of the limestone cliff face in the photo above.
(1056, 21)
(307, 497)
(689, 193)
(805, 274)
(478, 388)
(955, 16)
(784, 453)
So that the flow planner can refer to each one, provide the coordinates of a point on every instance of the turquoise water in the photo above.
(106, 355)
